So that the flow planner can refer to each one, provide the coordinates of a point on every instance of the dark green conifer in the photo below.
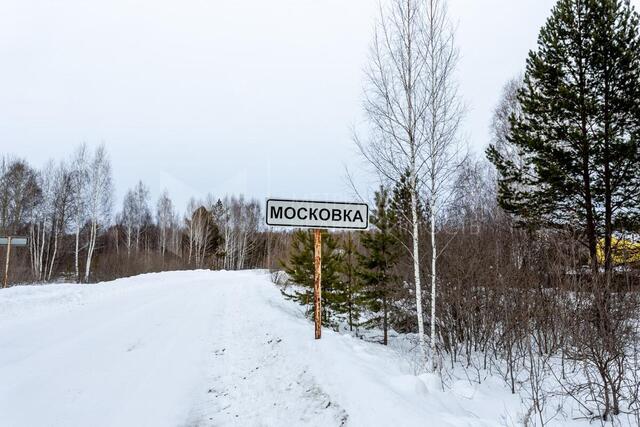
(377, 263)
(352, 298)
(300, 269)
(579, 130)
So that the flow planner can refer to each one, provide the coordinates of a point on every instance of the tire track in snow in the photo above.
(255, 379)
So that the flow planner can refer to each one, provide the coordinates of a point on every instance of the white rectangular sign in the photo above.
(306, 213)
(15, 241)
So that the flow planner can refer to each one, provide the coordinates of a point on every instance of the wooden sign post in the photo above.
(319, 216)
(9, 242)
(317, 281)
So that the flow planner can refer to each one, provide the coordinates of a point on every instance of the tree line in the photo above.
(77, 233)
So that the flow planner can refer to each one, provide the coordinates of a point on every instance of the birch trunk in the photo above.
(414, 112)
(53, 256)
(34, 250)
(416, 271)
(190, 242)
(434, 256)
(92, 242)
(43, 244)
(77, 254)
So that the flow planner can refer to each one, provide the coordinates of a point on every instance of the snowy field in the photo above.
(206, 348)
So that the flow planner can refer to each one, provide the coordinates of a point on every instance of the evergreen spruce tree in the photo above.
(352, 301)
(400, 205)
(300, 269)
(579, 128)
(378, 262)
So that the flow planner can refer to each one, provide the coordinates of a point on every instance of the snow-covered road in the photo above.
(200, 348)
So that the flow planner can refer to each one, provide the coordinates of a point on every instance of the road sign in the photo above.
(9, 242)
(15, 241)
(322, 215)
(317, 215)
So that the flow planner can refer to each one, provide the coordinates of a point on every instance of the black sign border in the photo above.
(311, 226)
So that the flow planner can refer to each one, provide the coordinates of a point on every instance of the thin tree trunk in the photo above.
(77, 260)
(53, 257)
(116, 238)
(129, 232)
(433, 283)
(92, 242)
(40, 262)
(385, 320)
(586, 167)
(34, 250)
(416, 269)
(608, 210)
(190, 242)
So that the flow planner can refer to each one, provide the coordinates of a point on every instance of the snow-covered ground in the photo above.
(206, 348)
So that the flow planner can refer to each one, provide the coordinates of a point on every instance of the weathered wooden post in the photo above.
(317, 282)
(319, 216)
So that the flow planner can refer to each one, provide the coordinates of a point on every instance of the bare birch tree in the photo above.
(201, 223)
(61, 208)
(100, 197)
(49, 219)
(188, 221)
(80, 179)
(40, 221)
(246, 221)
(164, 218)
(141, 210)
(444, 114)
(412, 104)
(175, 239)
(127, 219)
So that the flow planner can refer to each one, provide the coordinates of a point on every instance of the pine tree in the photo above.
(378, 262)
(300, 269)
(579, 128)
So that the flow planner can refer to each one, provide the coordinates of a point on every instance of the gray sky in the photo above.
(201, 96)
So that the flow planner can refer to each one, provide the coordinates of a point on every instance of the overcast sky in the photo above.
(196, 96)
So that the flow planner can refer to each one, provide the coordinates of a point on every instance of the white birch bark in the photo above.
(53, 257)
(100, 200)
(416, 268)
(434, 257)
(90, 249)
(77, 254)
(414, 112)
